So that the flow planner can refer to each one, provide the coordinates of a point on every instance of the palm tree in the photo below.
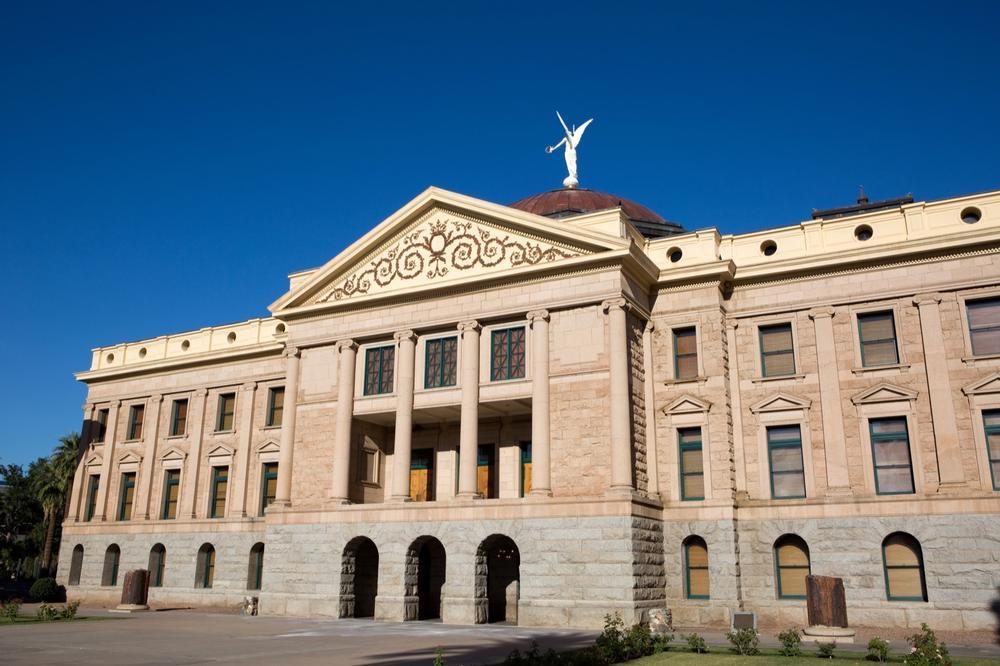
(64, 460)
(48, 489)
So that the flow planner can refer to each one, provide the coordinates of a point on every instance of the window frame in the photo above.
(93, 487)
(688, 542)
(441, 370)
(786, 444)
(523, 457)
(127, 483)
(891, 312)
(381, 349)
(220, 413)
(256, 567)
(174, 417)
(509, 377)
(693, 329)
(265, 475)
(776, 549)
(156, 575)
(113, 551)
(493, 482)
(973, 299)
(987, 431)
(205, 567)
(103, 414)
(213, 494)
(135, 426)
(168, 483)
(761, 354)
(683, 446)
(920, 568)
(272, 393)
(872, 438)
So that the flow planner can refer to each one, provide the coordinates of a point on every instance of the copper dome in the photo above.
(568, 202)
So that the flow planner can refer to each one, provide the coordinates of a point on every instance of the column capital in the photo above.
(650, 326)
(538, 315)
(87, 407)
(291, 352)
(249, 387)
(932, 298)
(346, 344)
(732, 324)
(821, 312)
(156, 398)
(404, 336)
(201, 393)
(615, 304)
(470, 325)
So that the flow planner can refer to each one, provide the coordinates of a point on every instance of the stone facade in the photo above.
(576, 442)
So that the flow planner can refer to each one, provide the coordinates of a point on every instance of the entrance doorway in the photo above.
(425, 577)
(498, 564)
(359, 578)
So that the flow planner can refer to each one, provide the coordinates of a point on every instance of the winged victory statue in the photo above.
(571, 140)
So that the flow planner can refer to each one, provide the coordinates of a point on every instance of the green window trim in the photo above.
(440, 362)
(764, 355)
(688, 567)
(158, 557)
(272, 395)
(975, 331)
(914, 546)
(379, 381)
(993, 458)
(92, 486)
(525, 449)
(773, 444)
(778, 566)
(171, 479)
(269, 472)
(678, 355)
(207, 567)
(512, 341)
(220, 475)
(256, 567)
(895, 435)
(178, 422)
(865, 343)
(115, 562)
(689, 439)
(226, 411)
(136, 415)
(126, 496)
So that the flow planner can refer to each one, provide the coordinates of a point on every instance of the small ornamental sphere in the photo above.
(570, 181)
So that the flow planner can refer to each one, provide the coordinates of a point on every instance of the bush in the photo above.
(47, 613)
(696, 644)
(925, 649)
(661, 642)
(878, 650)
(611, 642)
(826, 650)
(68, 611)
(535, 657)
(790, 643)
(745, 642)
(638, 642)
(10, 609)
(47, 589)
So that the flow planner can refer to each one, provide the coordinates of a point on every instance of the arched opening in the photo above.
(498, 579)
(157, 563)
(424, 578)
(359, 578)
(255, 571)
(76, 565)
(112, 556)
(696, 579)
(791, 564)
(204, 575)
(903, 560)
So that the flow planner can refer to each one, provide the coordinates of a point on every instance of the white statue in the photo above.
(571, 141)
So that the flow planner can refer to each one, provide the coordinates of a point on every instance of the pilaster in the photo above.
(347, 353)
(834, 443)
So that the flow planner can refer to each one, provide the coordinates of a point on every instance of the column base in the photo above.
(540, 492)
(468, 496)
(947, 487)
(339, 500)
(839, 491)
(621, 491)
(397, 499)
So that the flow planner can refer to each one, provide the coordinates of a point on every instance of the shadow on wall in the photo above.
(995, 607)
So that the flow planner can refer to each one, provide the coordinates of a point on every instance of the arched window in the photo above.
(904, 568)
(256, 571)
(157, 562)
(76, 565)
(791, 564)
(109, 577)
(205, 571)
(695, 568)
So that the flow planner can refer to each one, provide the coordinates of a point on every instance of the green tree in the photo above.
(20, 513)
(52, 482)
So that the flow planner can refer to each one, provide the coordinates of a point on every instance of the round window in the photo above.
(863, 232)
(675, 254)
(767, 248)
(971, 215)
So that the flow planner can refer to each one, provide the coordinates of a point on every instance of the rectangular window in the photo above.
(891, 456)
(685, 353)
(991, 424)
(692, 464)
(422, 475)
(877, 332)
(101, 427)
(507, 354)
(220, 484)
(368, 469)
(379, 364)
(784, 452)
(171, 493)
(92, 485)
(275, 406)
(984, 326)
(777, 357)
(525, 468)
(440, 363)
(178, 418)
(486, 472)
(135, 415)
(127, 496)
(227, 408)
(268, 485)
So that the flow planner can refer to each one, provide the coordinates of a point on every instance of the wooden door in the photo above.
(422, 475)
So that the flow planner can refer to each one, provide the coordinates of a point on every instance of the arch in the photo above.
(424, 578)
(76, 565)
(791, 566)
(255, 570)
(903, 566)
(358, 578)
(112, 558)
(498, 579)
(204, 575)
(157, 564)
(696, 575)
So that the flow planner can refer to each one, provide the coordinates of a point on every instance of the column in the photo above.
(109, 451)
(79, 475)
(621, 439)
(283, 491)
(949, 454)
(347, 354)
(652, 454)
(151, 434)
(240, 475)
(541, 455)
(406, 350)
(468, 436)
(838, 481)
(192, 468)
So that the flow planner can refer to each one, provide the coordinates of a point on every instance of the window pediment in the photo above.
(780, 402)
(269, 446)
(687, 404)
(172, 458)
(220, 455)
(884, 393)
(94, 460)
(986, 385)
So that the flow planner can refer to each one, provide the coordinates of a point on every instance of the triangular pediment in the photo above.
(173, 455)
(989, 384)
(780, 402)
(441, 240)
(270, 446)
(93, 460)
(687, 404)
(220, 452)
(131, 457)
(883, 393)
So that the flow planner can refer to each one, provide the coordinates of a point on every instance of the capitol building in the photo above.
(543, 412)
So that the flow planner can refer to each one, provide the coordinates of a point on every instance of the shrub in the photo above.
(826, 650)
(439, 657)
(696, 643)
(790, 642)
(638, 642)
(661, 642)
(611, 642)
(878, 650)
(10, 609)
(47, 613)
(68, 611)
(925, 649)
(745, 642)
(47, 589)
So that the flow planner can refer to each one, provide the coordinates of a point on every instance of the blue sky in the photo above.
(163, 166)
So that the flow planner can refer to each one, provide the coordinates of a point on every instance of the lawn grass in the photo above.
(31, 619)
(720, 655)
